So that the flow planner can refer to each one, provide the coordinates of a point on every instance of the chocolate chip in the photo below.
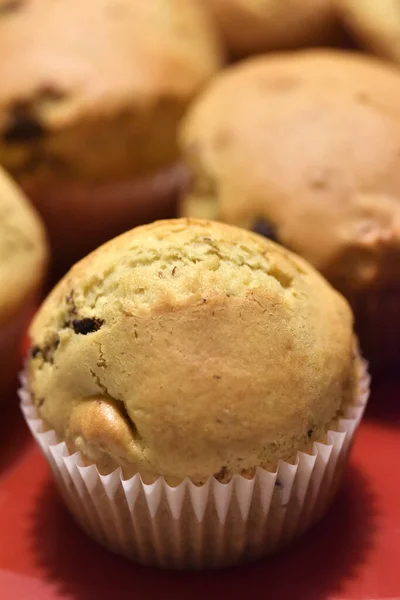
(265, 228)
(47, 351)
(22, 125)
(86, 325)
(35, 351)
(10, 6)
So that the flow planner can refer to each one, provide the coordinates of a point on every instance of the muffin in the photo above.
(304, 148)
(248, 27)
(23, 257)
(88, 117)
(183, 356)
(376, 24)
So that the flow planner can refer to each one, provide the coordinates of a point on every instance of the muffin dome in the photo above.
(304, 147)
(188, 348)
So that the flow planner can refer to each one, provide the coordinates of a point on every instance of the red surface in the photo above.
(352, 554)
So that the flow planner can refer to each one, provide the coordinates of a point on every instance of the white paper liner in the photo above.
(212, 525)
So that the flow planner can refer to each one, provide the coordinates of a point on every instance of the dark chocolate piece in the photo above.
(86, 325)
(265, 228)
(47, 351)
(35, 351)
(22, 126)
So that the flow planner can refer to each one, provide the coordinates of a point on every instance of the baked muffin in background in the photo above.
(252, 26)
(305, 148)
(88, 117)
(375, 24)
(23, 261)
(191, 350)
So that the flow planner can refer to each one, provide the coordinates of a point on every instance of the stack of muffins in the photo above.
(89, 114)
(194, 384)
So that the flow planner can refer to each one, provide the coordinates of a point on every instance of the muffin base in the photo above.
(213, 525)
(80, 216)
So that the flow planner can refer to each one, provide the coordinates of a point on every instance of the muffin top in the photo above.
(375, 23)
(187, 348)
(95, 88)
(23, 250)
(250, 26)
(305, 148)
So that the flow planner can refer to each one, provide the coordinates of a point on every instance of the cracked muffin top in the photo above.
(304, 147)
(188, 348)
(86, 81)
(23, 249)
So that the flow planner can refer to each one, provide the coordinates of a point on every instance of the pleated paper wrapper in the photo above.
(213, 525)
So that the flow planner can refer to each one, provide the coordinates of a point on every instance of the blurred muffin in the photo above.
(375, 23)
(23, 257)
(192, 350)
(250, 26)
(305, 148)
(88, 117)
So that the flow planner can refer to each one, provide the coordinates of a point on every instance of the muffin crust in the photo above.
(188, 348)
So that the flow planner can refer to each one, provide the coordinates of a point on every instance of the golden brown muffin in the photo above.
(375, 23)
(250, 26)
(23, 257)
(188, 348)
(94, 94)
(306, 148)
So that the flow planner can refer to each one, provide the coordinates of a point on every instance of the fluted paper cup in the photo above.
(212, 525)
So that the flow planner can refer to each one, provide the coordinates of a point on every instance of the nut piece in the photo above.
(99, 424)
